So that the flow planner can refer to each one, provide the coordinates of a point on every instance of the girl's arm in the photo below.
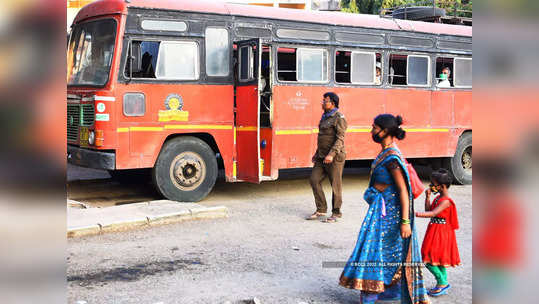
(444, 204)
(427, 199)
(398, 177)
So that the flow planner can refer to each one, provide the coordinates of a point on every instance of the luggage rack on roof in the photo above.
(428, 11)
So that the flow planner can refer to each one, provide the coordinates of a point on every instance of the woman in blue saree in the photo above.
(386, 262)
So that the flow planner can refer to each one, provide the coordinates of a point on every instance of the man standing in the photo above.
(329, 158)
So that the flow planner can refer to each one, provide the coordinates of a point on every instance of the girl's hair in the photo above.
(392, 124)
(442, 177)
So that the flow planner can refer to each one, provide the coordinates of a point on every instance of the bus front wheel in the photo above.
(460, 165)
(185, 170)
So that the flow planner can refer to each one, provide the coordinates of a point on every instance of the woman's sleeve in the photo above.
(392, 164)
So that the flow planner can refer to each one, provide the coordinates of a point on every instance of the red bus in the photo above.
(185, 87)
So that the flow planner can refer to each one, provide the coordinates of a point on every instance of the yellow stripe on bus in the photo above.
(279, 132)
(247, 128)
(288, 132)
(183, 127)
(175, 127)
(145, 129)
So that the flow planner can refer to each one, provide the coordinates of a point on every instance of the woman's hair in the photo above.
(442, 177)
(392, 124)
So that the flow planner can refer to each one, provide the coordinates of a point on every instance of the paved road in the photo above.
(264, 249)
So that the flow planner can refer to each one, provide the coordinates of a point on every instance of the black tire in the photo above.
(417, 12)
(185, 170)
(460, 165)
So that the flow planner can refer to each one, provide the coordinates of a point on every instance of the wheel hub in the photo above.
(467, 159)
(188, 170)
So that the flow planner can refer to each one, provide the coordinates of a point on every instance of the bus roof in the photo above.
(105, 7)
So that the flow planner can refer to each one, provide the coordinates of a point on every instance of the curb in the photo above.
(148, 221)
(83, 230)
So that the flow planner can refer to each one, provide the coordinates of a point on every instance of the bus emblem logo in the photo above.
(174, 109)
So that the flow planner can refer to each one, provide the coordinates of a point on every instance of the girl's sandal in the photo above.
(438, 291)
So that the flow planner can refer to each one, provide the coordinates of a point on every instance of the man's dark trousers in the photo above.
(333, 171)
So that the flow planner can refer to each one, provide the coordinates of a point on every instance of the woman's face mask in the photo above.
(377, 138)
(443, 76)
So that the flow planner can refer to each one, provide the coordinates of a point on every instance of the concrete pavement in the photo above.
(82, 221)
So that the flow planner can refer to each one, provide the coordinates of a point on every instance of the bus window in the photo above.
(302, 65)
(397, 69)
(312, 65)
(246, 63)
(342, 66)
(177, 60)
(463, 72)
(217, 52)
(90, 53)
(174, 60)
(444, 72)
(148, 51)
(286, 64)
(358, 67)
(412, 70)
(418, 70)
(134, 104)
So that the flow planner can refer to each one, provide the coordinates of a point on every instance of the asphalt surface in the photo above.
(265, 249)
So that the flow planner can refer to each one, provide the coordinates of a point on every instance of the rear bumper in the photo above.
(91, 158)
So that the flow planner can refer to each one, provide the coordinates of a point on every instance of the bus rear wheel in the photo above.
(460, 165)
(186, 169)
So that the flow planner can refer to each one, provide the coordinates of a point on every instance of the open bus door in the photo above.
(247, 111)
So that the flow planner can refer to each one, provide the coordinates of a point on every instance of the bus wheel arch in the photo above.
(460, 165)
(186, 168)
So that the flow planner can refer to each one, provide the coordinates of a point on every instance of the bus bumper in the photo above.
(91, 158)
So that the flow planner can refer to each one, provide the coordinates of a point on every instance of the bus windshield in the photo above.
(90, 53)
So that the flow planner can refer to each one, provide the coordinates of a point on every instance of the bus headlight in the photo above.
(91, 138)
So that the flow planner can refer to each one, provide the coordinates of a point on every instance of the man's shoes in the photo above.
(333, 218)
(315, 216)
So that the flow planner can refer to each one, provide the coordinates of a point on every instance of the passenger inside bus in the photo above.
(378, 79)
(444, 66)
(444, 78)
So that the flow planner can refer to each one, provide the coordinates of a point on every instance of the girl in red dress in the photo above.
(439, 248)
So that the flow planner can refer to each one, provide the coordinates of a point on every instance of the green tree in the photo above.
(374, 6)
(369, 6)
